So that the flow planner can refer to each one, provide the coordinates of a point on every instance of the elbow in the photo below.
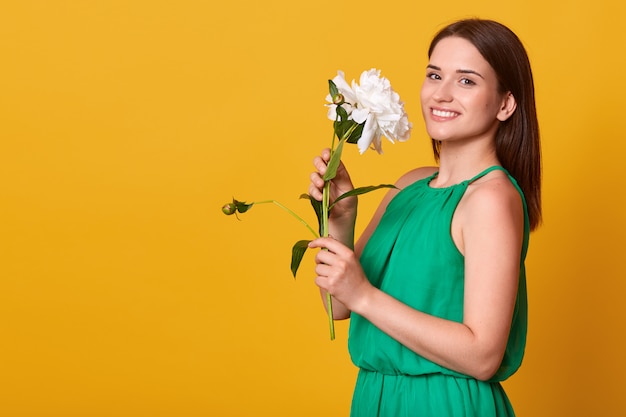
(485, 371)
(343, 314)
(486, 366)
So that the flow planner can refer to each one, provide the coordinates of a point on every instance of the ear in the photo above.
(508, 107)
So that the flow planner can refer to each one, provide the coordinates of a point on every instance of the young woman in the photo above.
(435, 287)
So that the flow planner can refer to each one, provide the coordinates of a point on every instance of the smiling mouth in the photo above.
(444, 113)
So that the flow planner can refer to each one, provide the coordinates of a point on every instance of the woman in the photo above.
(435, 287)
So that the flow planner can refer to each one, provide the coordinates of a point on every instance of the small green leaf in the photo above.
(242, 206)
(317, 207)
(333, 164)
(297, 253)
(343, 114)
(361, 190)
(332, 88)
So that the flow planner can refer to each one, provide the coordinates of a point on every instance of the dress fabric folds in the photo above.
(412, 257)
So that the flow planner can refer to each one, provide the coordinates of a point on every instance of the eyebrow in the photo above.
(459, 71)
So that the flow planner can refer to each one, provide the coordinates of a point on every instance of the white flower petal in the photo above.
(332, 112)
(377, 142)
(369, 130)
(360, 115)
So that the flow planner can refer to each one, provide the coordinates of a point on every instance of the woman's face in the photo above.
(460, 98)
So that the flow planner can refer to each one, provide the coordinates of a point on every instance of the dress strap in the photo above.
(487, 171)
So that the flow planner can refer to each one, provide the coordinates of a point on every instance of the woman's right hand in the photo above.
(344, 209)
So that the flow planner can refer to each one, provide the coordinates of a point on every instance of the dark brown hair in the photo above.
(517, 139)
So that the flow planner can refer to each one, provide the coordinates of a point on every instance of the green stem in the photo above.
(290, 212)
(331, 320)
(329, 299)
(325, 213)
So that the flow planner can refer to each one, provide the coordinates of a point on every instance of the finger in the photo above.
(325, 257)
(323, 270)
(315, 192)
(316, 179)
(329, 243)
(322, 283)
(317, 243)
(326, 154)
(320, 165)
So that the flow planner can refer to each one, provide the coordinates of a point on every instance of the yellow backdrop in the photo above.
(125, 125)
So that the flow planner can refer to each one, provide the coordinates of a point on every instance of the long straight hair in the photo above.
(517, 139)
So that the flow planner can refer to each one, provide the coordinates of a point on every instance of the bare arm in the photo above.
(491, 222)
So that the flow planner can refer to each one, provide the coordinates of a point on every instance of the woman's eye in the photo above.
(466, 81)
(433, 76)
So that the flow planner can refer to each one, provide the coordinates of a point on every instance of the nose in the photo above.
(443, 92)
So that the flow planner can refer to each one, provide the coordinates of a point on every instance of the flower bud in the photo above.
(338, 99)
(229, 209)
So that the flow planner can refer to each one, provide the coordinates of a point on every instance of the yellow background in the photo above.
(125, 125)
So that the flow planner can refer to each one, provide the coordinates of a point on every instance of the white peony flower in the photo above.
(373, 102)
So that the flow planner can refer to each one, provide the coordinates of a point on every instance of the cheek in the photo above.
(424, 94)
(492, 108)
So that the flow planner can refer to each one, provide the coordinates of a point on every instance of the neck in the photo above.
(461, 161)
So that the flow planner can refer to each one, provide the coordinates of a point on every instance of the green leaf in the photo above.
(356, 134)
(242, 207)
(317, 207)
(361, 190)
(343, 115)
(343, 126)
(332, 88)
(333, 164)
(297, 253)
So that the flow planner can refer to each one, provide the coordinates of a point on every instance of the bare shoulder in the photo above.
(415, 175)
(493, 197)
(490, 211)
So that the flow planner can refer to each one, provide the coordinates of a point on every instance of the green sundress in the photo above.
(412, 257)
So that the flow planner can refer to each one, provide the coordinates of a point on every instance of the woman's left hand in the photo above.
(339, 273)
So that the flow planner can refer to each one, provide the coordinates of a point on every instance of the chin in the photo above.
(438, 136)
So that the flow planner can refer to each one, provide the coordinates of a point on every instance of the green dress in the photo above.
(412, 257)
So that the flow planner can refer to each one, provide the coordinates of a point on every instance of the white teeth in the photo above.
(442, 113)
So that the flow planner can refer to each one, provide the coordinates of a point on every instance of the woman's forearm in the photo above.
(448, 343)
